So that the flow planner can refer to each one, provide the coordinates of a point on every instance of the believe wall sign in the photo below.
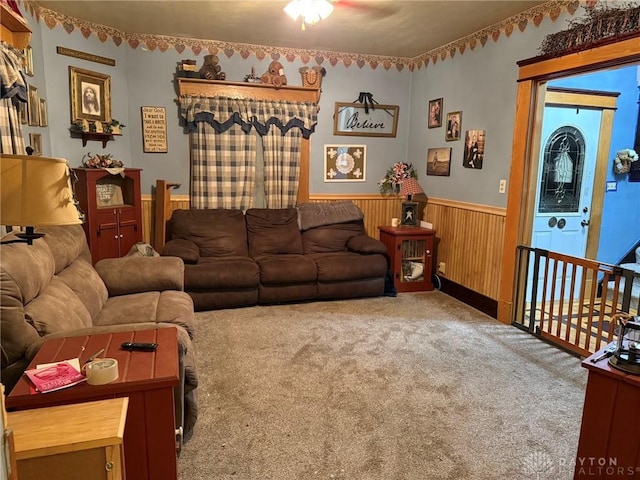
(154, 129)
(354, 119)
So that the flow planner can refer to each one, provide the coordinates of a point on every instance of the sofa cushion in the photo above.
(29, 267)
(217, 232)
(143, 307)
(57, 309)
(330, 238)
(222, 273)
(342, 266)
(366, 244)
(67, 243)
(85, 282)
(182, 248)
(133, 274)
(286, 269)
(273, 231)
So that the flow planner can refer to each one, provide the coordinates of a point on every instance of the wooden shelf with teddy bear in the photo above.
(256, 91)
(272, 86)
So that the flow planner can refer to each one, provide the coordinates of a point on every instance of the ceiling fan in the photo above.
(312, 11)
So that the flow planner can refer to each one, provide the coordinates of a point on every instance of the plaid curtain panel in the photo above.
(222, 168)
(224, 152)
(13, 89)
(281, 167)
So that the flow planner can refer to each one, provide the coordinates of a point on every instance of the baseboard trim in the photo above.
(476, 300)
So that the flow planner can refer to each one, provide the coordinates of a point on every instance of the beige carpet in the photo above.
(419, 386)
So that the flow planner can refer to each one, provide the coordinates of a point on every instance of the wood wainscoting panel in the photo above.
(178, 202)
(469, 240)
(468, 236)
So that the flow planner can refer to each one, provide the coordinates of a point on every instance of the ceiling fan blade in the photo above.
(377, 8)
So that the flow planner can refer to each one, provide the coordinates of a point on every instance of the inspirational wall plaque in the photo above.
(154, 129)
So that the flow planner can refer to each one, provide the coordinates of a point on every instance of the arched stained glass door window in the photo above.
(562, 171)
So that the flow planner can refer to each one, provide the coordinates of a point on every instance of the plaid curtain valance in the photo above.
(13, 92)
(223, 112)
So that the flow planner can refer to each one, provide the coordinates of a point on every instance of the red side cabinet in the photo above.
(112, 205)
(410, 250)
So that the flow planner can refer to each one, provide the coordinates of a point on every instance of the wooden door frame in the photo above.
(529, 102)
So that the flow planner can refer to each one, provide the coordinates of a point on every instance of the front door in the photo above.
(574, 145)
(568, 151)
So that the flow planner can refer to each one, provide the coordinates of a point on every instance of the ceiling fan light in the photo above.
(293, 9)
(311, 11)
(324, 8)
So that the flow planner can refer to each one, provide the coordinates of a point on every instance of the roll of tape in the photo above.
(101, 371)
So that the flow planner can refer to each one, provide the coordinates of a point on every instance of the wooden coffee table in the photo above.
(146, 378)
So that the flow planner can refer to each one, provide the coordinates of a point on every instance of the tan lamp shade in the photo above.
(36, 192)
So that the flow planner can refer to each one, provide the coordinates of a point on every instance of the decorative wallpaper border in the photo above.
(535, 15)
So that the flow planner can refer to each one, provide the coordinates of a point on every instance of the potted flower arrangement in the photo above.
(100, 161)
(390, 183)
(622, 162)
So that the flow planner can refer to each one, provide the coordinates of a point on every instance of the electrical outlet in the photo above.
(442, 267)
(503, 186)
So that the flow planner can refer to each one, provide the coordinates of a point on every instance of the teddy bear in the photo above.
(210, 69)
(274, 75)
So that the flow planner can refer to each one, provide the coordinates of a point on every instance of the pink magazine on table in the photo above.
(55, 376)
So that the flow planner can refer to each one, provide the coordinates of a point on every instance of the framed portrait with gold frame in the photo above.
(44, 118)
(35, 142)
(90, 95)
(34, 106)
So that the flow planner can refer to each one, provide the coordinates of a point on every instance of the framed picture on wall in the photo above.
(357, 120)
(43, 113)
(345, 163)
(454, 123)
(34, 106)
(27, 60)
(435, 113)
(90, 95)
(474, 149)
(439, 161)
(24, 113)
(35, 142)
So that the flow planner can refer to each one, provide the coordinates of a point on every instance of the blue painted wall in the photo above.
(480, 82)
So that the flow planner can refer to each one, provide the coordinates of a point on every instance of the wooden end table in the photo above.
(609, 445)
(148, 379)
(409, 249)
(70, 441)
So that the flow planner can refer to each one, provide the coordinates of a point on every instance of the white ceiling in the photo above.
(387, 28)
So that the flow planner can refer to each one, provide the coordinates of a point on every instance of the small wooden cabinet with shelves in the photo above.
(70, 441)
(112, 205)
(410, 251)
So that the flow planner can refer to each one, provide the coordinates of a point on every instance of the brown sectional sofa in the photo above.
(50, 289)
(265, 256)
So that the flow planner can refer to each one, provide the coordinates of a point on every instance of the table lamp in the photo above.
(36, 192)
(408, 188)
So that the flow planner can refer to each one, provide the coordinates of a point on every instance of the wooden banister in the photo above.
(162, 212)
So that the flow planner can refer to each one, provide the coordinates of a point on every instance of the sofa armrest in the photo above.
(126, 275)
(366, 244)
(187, 250)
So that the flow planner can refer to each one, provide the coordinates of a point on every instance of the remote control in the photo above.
(139, 346)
